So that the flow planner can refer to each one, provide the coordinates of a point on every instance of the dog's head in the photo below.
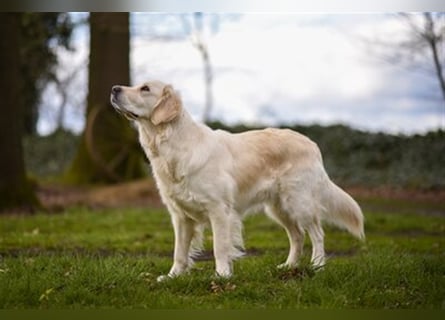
(153, 100)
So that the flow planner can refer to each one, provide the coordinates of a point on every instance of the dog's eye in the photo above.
(145, 88)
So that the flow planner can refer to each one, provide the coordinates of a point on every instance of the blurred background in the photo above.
(368, 88)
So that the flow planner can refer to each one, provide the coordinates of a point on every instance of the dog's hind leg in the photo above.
(301, 205)
(294, 232)
(316, 235)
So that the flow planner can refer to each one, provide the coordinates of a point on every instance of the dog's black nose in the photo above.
(116, 89)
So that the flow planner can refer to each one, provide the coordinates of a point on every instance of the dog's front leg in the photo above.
(222, 245)
(184, 230)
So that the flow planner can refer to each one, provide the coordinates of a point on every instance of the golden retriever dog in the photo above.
(213, 177)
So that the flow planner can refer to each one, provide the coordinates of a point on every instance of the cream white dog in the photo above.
(206, 176)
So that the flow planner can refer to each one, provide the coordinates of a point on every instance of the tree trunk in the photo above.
(15, 189)
(208, 85)
(109, 151)
(433, 39)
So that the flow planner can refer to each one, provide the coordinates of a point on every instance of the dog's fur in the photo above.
(206, 176)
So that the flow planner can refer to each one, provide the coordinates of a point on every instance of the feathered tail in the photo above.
(343, 211)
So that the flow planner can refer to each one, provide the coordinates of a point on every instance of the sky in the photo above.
(272, 69)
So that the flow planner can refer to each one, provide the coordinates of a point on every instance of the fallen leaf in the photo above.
(45, 295)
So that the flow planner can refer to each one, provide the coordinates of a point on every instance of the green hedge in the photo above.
(352, 157)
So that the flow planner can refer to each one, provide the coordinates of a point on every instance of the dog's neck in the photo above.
(153, 138)
(168, 146)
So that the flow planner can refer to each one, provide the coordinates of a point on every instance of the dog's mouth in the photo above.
(126, 113)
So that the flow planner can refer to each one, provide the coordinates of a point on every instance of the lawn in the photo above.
(110, 258)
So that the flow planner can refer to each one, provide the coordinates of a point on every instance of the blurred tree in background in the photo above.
(426, 37)
(108, 150)
(27, 63)
(15, 188)
(41, 33)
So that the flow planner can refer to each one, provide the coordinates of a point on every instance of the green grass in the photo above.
(110, 259)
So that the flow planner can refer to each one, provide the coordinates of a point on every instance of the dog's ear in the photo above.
(168, 107)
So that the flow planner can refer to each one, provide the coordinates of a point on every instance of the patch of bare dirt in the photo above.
(140, 193)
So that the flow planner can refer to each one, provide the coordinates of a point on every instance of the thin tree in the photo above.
(418, 46)
(195, 25)
(427, 35)
(195, 28)
(200, 44)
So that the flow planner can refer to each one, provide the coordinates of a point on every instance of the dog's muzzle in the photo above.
(114, 98)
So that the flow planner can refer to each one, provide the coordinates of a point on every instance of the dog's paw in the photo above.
(223, 275)
(286, 266)
(163, 278)
(317, 268)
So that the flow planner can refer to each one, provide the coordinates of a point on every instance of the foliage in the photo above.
(73, 260)
(49, 156)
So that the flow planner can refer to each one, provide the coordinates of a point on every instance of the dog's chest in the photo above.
(180, 190)
(189, 201)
